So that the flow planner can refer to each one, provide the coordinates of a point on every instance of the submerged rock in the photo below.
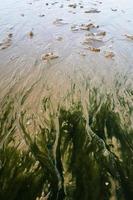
(59, 22)
(49, 56)
(59, 38)
(94, 49)
(6, 42)
(41, 15)
(72, 5)
(129, 36)
(109, 54)
(87, 26)
(31, 34)
(114, 9)
(93, 10)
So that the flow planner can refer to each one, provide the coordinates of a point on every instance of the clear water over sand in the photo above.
(20, 61)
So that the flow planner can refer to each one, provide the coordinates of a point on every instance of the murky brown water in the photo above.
(82, 52)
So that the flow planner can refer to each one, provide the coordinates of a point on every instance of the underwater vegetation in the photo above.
(82, 149)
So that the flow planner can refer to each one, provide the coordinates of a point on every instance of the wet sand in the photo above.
(30, 29)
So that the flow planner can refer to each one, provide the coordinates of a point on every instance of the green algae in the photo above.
(81, 150)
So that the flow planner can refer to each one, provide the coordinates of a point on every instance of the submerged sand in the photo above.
(88, 38)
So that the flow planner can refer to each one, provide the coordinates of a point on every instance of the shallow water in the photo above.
(22, 58)
(66, 124)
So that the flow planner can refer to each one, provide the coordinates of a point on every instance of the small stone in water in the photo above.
(94, 49)
(106, 183)
(109, 54)
(49, 56)
(31, 34)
